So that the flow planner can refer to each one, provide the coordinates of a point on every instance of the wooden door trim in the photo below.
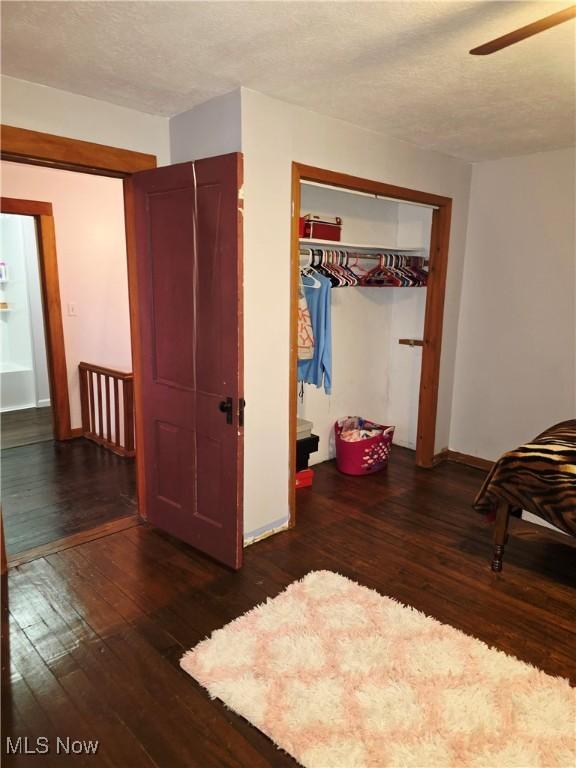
(240, 342)
(52, 310)
(130, 223)
(31, 207)
(293, 369)
(3, 557)
(434, 315)
(32, 147)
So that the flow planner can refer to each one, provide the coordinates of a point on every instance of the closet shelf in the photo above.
(360, 246)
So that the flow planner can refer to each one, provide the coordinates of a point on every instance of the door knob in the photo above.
(226, 407)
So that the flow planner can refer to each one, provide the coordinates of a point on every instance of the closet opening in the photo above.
(381, 259)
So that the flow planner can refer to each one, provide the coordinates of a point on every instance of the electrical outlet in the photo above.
(72, 309)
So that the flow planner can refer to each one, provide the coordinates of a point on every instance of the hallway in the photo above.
(54, 490)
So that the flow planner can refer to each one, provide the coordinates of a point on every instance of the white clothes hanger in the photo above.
(307, 270)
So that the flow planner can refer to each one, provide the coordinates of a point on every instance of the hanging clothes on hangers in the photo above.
(338, 261)
(321, 263)
(347, 267)
(305, 331)
(382, 275)
(317, 370)
(397, 270)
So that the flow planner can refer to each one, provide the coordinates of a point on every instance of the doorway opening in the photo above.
(24, 382)
(376, 223)
(171, 213)
(71, 311)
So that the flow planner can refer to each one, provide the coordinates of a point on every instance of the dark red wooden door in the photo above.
(188, 242)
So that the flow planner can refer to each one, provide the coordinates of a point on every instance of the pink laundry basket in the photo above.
(365, 456)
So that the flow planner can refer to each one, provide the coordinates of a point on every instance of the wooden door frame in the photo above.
(43, 217)
(35, 148)
(433, 319)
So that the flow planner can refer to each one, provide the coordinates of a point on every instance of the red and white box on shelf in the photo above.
(317, 227)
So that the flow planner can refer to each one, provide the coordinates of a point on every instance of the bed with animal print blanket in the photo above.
(539, 477)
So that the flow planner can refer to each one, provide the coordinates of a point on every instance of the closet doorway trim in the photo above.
(433, 319)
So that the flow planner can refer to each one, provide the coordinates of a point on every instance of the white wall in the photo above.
(91, 247)
(273, 135)
(41, 108)
(372, 375)
(209, 129)
(516, 354)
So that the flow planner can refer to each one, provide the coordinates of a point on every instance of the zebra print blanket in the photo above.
(539, 477)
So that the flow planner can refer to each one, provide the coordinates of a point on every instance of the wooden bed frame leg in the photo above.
(500, 535)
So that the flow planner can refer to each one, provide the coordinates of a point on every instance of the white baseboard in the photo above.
(44, 403)
(9, 408)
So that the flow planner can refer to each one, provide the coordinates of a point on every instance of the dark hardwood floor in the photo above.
(53, 490)
(97, 631)
(30, 425)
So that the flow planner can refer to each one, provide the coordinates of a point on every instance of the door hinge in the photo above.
(241, 406)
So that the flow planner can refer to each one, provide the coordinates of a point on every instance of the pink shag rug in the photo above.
(341, 677)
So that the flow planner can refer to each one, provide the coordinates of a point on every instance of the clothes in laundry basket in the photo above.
(362, 446)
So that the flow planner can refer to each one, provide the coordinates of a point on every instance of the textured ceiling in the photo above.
(400, 68)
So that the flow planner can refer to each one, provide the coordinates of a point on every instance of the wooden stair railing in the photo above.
(107, 401)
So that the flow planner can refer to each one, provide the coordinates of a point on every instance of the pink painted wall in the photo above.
(91, 245)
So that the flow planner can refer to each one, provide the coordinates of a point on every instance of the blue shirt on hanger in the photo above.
(318, 369)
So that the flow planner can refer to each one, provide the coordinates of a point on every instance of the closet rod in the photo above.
(373, 195)
(361, 256)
